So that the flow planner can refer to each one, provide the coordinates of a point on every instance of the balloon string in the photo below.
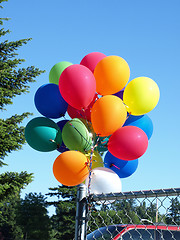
(81, 114)
(87, 122)
(90, 170)
(90, 165)
(83, 109)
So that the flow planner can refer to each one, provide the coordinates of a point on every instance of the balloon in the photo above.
(141, 95)
(89, 127)
(63, 147)
(77, 86)
(111, 74)
(43, 134)
(84, 113)
(96, 159)
(128, 143)
(144, 122)
(61, 124)
(49, 101)
(76, 136)
(70, 168)
(107, 115)
(102, 144)
(109, 160)
(120, 94)
(56, 71)
(91, 60)
(121, 167)
(104, 180)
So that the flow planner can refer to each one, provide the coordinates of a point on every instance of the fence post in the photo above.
(81, 211)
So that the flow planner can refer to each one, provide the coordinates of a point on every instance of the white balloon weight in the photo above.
(104, 180)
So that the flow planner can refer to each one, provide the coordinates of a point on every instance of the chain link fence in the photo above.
(138, 215)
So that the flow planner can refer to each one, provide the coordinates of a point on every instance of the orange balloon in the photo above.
(107, 115)
(70, 168)
(112, 74)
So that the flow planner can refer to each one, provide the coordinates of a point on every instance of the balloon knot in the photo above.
(114, 166)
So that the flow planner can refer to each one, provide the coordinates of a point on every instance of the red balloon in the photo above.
(92, 59)
(77, 86)
(128, 143)
(85, 113)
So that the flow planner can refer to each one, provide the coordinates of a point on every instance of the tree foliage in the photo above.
(32, 217)
(63, 222)
(14, 81)
(173, 216)
(11, 184)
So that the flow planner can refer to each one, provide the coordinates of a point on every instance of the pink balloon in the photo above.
(77, 86)
(85, 113)
(128, 143)
(92, 59)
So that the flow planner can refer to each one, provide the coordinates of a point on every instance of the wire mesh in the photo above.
(146, 215)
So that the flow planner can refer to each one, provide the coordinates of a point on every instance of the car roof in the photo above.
(153, 226)
(128, 227)
(123, 228)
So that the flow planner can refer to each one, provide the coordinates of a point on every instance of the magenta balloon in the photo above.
(77, 86)
(128, 143)
(92, 59)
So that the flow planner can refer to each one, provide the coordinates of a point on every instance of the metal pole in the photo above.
(156, 210)
(81, 211)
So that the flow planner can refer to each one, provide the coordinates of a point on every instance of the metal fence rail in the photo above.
(135, 215)
(136, 194)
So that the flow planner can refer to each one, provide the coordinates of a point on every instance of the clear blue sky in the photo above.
(145, 33)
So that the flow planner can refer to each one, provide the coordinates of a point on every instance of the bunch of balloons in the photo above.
(106, 116)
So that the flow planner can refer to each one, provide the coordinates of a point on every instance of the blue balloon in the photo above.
(63, 147)
(49, 102)
(120, 94)
(122, 168)
(144, 122)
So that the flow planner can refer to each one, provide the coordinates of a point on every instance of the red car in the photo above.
(136, 232)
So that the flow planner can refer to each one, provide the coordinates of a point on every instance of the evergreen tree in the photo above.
(151, 212)
(126, 210)
(10, 186)
(173, 216)
(32, 217)
(63, 222)
(13, 82)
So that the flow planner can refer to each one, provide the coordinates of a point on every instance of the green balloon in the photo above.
(56, 71)
(76, 136)
(102, 144)
(43, 134)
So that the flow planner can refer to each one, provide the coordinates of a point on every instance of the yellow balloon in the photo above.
(141, 95)
(97, 160)
(111, 74)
